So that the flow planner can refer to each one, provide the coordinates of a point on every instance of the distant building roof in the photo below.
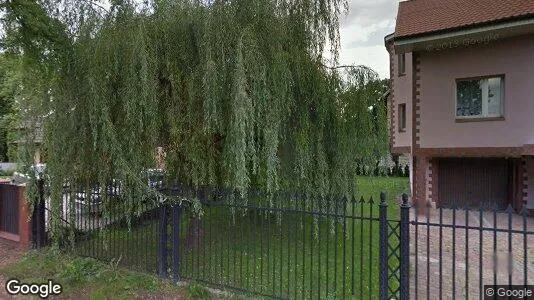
(418, 17)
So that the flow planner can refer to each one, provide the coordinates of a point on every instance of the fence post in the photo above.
(176, 214)
(383, 249)
(405, 249)
(39, 215)
(162, 249)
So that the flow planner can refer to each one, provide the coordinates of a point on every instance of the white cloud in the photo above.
(362, 34)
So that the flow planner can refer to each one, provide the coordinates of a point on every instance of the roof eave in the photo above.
(504, 29)
(389, 38)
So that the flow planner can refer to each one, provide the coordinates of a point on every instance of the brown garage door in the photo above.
(475, 182)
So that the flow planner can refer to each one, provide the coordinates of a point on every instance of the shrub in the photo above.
(196, 291)
(6, 173)
(79, 270)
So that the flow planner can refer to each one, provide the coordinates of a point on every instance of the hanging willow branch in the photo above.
(234, 91)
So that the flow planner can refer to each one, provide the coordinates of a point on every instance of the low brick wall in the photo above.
(22, 236)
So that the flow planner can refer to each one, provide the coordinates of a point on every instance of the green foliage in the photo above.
(6, 173)
(236, 92)
(79, 270)
(8, 88)
(8, 135)
(196, 291)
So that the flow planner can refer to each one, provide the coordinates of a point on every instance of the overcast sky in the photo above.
(362, 34)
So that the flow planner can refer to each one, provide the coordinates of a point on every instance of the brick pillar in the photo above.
(24, 220)
(434, 165)
(421, 164)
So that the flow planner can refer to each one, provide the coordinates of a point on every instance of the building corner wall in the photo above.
(528, 183)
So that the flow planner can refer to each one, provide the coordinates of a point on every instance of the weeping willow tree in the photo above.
(236, 92)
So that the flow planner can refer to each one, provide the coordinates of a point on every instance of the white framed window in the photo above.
(480, 97)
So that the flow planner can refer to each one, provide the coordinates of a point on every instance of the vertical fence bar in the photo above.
(405, 249)
(467, 253)
(211, 269)
(327, 233)
(228, 255)
(262, 218)
(219, 242)
(525, 261)
(250, 216)
(454, 250)
(312, 199)
(40, 215)
(319, 218)
(297, 228)
(335, 244)
(303, 221)
(370, 220)
(92, 200)
(494, 257)
(176, 213)
(480, 254)
(510, 257)
(362, 201)
(288, 234)
(200, 236)
(427, 208)
(255, 213)
(281, 225)
(162, 250)
(416, 246)
(440, 252)
(353, 238)
(344, 245)
(274, 252)
(383, 248)
(268, 249)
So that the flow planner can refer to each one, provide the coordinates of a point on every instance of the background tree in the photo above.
(9, 83)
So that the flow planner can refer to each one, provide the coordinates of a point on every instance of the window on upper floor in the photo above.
(402, 117)
(401, 63)
(480, 98)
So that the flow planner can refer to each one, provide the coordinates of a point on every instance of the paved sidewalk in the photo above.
(454, 260)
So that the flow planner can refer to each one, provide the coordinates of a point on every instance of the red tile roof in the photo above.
(417, 17)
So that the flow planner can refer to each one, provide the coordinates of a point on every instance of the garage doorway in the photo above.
(479, 182)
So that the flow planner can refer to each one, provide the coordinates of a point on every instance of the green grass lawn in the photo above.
(286, 254)
(372, 186)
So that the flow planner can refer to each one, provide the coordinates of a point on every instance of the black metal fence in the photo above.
(293, 246)
(99, 222)
(277, 245)
(296, 247)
